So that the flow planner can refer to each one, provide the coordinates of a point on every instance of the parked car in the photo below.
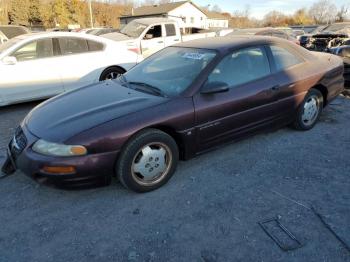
(102, 31)
(148, 35)
(308, 29)
(297, 33)
(41, 65)
(180, 102)
(331, 36)
(344, 52)
(3, 38)
(287, 30)
(87, 30)
(265, 31)
(11, 31)
(305, 39)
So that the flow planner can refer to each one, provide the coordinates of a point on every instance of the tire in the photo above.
(111, 73)
(148, 161)
(309, 111)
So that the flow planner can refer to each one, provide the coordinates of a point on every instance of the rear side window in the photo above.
(170, 30)
(94, 46)
(284, 59)
(241, 67)
(71, 46)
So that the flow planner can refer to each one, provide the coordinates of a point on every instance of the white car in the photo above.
(42, 65)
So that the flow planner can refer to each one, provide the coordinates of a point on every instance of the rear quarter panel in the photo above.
(331, 68)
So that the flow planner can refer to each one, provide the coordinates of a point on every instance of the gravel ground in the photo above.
(207, 212)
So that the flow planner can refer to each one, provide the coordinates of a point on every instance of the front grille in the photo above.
(18, 143)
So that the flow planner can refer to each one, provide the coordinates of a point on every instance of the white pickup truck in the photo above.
(148, 35)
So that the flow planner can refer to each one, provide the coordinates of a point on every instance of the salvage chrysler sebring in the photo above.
(178, 103)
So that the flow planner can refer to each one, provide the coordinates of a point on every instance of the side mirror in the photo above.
(9, 60)
(214, 87)
(148, 36)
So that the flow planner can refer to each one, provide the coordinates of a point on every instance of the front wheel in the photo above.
(309, 111)
(148, 161)
(111, 73)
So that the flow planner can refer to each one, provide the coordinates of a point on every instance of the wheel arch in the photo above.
(176, 136)
(324, 91)
(109, 67)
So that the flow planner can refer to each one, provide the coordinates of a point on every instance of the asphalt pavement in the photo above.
(209, 210)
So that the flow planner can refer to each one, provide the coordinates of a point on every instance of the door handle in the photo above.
(176, 40)
(160, 42)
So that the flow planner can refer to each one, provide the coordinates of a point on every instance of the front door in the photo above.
(248, 104)
(34, 75)
(153, 40)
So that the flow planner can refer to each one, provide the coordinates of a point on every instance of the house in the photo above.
(186, 13)
(216, 20)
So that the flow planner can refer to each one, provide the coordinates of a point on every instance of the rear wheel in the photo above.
(111, 73)
(309, 111)
(148, 161)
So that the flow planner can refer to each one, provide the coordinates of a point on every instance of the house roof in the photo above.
(215, 15)
(157, 9)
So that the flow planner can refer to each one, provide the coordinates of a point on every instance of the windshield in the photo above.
(133, 29)
(336, 27)
(171, 70)
(8, 44)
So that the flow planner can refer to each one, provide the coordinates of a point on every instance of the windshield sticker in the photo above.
(194, 56)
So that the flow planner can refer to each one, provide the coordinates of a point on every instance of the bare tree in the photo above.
(323, 12)
(275, 18)
(216, 9)
(341, 15)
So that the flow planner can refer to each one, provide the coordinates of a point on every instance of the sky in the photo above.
(258, 8)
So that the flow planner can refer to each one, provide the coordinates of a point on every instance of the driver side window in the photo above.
(154, 32)
(35, 50)
(241, 67)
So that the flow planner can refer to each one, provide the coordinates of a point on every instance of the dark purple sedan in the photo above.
(178, 103)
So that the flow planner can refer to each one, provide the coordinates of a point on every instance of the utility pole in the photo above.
(91, 19)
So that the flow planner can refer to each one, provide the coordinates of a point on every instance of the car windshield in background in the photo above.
(133, 29)
(8, 44)
(336, 27)
(171, 70)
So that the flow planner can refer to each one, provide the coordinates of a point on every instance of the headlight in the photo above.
(54, 149)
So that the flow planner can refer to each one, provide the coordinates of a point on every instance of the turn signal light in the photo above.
(59, 170)
(78, 150)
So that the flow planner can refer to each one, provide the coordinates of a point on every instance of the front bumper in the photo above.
(91, 165)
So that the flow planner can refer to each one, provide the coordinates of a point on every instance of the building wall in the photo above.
(188, 15)
(217, 23)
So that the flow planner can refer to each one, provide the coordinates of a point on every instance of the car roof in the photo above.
(58, 34)
(227, 42)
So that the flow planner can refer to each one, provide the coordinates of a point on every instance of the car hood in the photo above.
(68, 114)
